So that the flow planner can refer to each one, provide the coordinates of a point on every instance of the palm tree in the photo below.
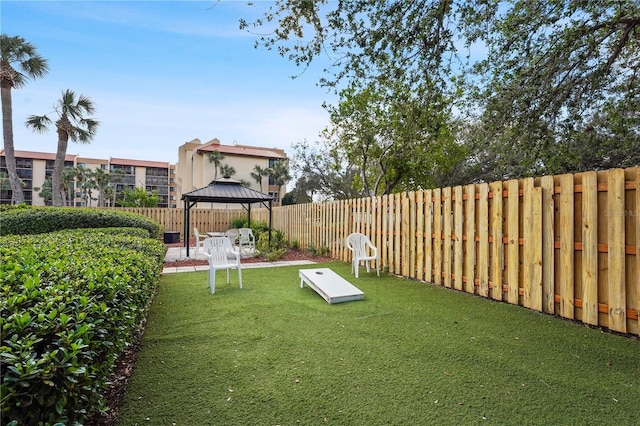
(102, 181)
(216, 158)
(279, 172)
(68, 183)
(258, 173)
(115, 177)
(15, 51)
(227, 170)
(71, 124)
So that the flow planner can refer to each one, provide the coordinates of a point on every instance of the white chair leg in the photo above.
(228, 276)
(212, 280)
(240, 276)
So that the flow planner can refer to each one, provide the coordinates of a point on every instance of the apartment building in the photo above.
(195, 169)
(34, 168)
(192, 171)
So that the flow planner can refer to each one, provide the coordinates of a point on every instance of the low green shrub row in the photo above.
(38, 220)
(70, 304)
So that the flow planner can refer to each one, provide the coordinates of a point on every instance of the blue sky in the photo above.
(162, 73)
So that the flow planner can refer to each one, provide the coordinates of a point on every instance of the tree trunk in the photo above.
(58, 166)
(17, 196)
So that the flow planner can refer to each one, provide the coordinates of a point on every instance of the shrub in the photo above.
(70, 302)
(239, 222)
(278, 246)
(38, 220)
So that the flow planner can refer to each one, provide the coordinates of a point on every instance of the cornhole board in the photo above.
(331, 286)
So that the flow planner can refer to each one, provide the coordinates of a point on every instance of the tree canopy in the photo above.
(473, 90)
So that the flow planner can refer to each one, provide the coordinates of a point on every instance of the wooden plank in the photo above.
(616, 253)
(512, 265)
(446, 232)
(470, 243)
(637, 219)
(548, 245)
(483, 244)
(566, 218)
(437, 236)
(532, 248)
(428, 236)
(495, 229)
(590, 248)
(384, 255)
(397, 244)
(379, 219)
(420, 235)
(458, 246)
(405, 239)
(412, 234)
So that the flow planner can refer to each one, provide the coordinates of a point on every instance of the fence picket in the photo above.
(470, 242)
(495, 229)
(428, 236)
(483, 243)
(590, 248)
(565, 273)
(420, 243)
(512, 261)
(458, 245)
(548, 245)
(437, 236)
(616, 251)
(446, 236)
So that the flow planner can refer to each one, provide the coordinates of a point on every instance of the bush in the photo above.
(38, 220)
(70, 302)
(278, 245)
(239, 222)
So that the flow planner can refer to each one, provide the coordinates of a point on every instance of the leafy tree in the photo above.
(19, 61)
(71, 124)
(395, 144)
(557, 77)
(139, 197)
(216, 158)
(325, 173)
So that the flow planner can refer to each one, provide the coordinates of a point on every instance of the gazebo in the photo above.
(223, 190)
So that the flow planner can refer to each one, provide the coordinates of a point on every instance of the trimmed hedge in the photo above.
(39, 220)
(70, 303)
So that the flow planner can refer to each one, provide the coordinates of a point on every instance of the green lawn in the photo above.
(409, 353)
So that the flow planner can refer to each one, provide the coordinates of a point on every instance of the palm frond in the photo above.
(38, 123)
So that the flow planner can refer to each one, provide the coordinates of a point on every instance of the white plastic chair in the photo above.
(363, 250)
(221, 256)
(246, 239)
(232, 234)
(199, 239)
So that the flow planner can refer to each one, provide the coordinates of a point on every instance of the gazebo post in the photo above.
(186, 224)
(270, 221)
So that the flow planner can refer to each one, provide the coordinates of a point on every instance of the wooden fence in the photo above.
(565, 245)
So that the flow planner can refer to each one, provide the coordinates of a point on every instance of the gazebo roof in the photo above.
(226, 190)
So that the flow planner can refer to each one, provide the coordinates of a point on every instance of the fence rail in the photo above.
(565, 245)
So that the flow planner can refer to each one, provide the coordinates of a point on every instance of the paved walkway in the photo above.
(179, 253)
